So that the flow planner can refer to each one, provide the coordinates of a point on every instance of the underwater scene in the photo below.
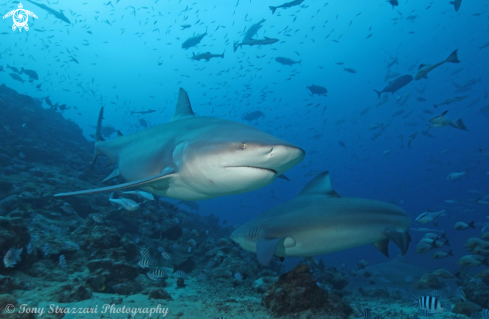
(244, 159)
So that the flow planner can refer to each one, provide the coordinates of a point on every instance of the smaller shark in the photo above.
(450, 101)
(206, 56)
(424, 69)
(319, 221)
(441, 121)
(286, 5)
(252, 42)
(57, 14)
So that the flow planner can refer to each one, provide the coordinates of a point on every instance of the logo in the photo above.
(20, 17)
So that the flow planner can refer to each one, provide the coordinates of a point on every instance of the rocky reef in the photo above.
(297, 291)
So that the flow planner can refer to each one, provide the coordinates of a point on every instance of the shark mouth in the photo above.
(254, 167)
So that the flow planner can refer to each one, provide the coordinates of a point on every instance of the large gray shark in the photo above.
(59, 15)
(195, 158)
(319, 221)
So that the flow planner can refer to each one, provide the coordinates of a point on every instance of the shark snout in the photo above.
(284, 157)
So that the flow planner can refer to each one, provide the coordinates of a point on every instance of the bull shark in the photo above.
(252, 42)
(425, 69)
(286, 5)
(442, 120)
(195, 158)
(319, 221)
(57, 14)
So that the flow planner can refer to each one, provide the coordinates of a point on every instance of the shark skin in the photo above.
(318, 221)
(196, 158)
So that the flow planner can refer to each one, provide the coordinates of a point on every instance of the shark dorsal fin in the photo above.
(183, 108)
(422, 66)
(320, 185)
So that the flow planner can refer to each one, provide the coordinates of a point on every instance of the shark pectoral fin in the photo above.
(114, 174)
(146, 182)
(400, 238)
(383, 246)
(321, 185)
(282, 176)
(265, 249)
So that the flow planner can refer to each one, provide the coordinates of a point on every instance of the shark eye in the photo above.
(243, 145)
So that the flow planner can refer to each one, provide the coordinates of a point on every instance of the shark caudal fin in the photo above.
(98, 137)
(273, 9)
(235, 46)
(378, 93)
(460, 125)
(453, 58)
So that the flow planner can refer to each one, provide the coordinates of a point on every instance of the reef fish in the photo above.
(319, 221)
(196, 158)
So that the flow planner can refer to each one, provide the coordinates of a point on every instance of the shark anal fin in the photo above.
(400, 238)
(146, 182)
(265, 249)
(383, 246)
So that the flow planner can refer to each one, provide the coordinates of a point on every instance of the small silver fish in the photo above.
(12, 257)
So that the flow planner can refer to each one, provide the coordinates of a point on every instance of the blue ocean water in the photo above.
(129, 57)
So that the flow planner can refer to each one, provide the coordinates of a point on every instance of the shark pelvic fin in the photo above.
(400, 238)
(383, 246)
(265, 249)
(183, 108)
(146, 182)
(320, 185)
(114, 174)
(98, 137)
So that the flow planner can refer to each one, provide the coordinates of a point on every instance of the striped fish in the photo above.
(181, 274)
(156, 274)
(68, 209)
(46, 249)
(145, 253)
(62, 261)
(202, 276)
(484, 314)
(98, 218)
(424, 312)
(144, 263)
(166, 255)
(367, 314)
(429, 303)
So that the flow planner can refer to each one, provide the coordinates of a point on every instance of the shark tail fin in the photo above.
(450, 253)
(273, 9)
(453, 58)
(378, 93)
(460, 125)
(235, 46)
(98, 137)
(222, 55)
(471, 224)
